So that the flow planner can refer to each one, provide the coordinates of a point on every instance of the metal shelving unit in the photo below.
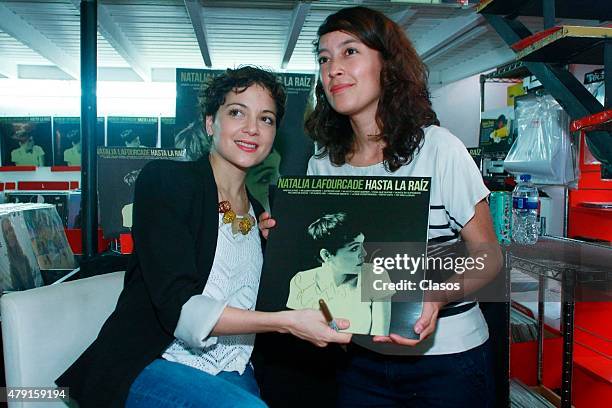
(581, 268)
(542, 53)
(583, 9)
(565, 44)
(513, 73)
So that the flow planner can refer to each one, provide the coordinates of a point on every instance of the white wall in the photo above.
(458, 106)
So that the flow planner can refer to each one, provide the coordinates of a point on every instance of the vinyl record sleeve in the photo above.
(18, 265)
(127, 131)
(118, 169)
(67, 139)
(337, 238)
(26, 141)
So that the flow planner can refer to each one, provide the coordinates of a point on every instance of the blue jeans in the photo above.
(461, 380)
(167, 384)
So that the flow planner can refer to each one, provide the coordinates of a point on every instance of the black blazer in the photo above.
(175, 238)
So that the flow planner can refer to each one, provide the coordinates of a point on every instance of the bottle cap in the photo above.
(525, 177)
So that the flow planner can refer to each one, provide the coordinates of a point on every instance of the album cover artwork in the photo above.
(48, 238)
(476, 153)
(67, 139)
(339, 239)
(26, 141)
(118, 169)
(127, 131)
(18, 265)
(167, 132)
(496, 134)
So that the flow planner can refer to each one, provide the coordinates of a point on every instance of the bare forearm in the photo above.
(239, 321)
(307, 324)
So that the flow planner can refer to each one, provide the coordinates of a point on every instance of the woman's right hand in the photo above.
(310, 325)
(265, 223)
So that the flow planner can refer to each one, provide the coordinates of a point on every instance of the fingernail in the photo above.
(418, 329)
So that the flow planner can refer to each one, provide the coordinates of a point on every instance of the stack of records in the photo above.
(32, 238)
(523, 397)
(522, 327)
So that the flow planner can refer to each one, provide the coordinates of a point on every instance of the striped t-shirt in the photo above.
(456, 187)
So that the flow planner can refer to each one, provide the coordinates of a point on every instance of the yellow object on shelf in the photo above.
(513, 91)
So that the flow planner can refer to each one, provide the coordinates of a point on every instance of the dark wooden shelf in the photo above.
(565, 45)
(580, 9)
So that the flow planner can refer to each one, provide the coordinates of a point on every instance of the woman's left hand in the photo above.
(424, 327)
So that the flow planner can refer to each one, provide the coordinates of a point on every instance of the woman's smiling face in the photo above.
(350, 73)
(244, 127)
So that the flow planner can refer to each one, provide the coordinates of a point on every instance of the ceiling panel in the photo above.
(150, 34)
(17, 53)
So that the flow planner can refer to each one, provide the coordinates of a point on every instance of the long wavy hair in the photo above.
(404, 107)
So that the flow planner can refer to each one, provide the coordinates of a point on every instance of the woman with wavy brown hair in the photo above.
(373, 117)
(403, 107)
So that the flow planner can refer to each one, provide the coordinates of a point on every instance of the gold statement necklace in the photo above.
(242, 224)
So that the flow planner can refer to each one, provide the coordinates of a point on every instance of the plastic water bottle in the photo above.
(525, 226)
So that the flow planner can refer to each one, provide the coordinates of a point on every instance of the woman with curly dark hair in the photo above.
(373, 117)
(183, 329)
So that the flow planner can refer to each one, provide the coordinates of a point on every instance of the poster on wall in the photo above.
(127, 131)
(497, 131)
(26, 141)
(189, 128)
(118, 169)
(329, 244)
(67, 139)
(291, 150)
(167, 126)
(476, 153)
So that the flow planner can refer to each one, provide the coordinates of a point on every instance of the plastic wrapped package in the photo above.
(594, 83)
(598, 90)
(543, 146)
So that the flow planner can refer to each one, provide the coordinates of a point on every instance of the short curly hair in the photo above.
(404, 107)
(213, 93)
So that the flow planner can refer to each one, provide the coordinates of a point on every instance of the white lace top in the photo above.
(233, 281)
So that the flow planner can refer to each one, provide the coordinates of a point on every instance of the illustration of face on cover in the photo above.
(343, 278)
(28, 153)
(72, 155)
